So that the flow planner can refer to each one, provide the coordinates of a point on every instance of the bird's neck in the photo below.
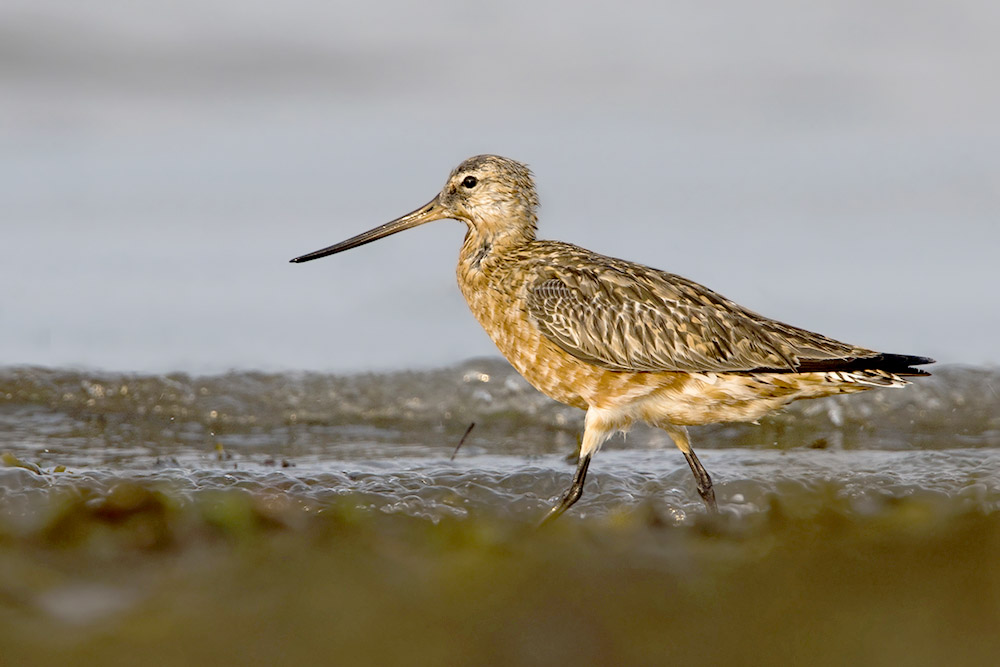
(485, 243)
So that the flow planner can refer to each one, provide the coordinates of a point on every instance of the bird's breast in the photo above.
(497, 298)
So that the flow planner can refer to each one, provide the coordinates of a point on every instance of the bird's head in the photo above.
(494, 196)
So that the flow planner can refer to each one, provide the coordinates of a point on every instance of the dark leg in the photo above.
(680, 437)
(574, 492)
(703, 481)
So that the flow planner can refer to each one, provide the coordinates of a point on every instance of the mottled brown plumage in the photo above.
(624, 341)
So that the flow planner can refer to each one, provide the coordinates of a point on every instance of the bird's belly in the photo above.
(709, 398)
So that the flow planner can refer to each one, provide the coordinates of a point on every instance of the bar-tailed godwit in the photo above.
(623, 341)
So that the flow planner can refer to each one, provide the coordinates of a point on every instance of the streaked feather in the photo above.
(627, 317)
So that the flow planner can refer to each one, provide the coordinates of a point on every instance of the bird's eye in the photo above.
(469, 182)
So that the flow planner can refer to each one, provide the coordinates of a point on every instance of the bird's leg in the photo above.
(701, 477)
(596, 431)
(574, 492)
(703, 480)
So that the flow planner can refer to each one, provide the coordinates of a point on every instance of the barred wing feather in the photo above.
(662, 322)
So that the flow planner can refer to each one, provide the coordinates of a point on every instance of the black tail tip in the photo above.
(902, 364)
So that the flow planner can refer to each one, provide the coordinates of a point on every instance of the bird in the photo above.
(625, 342)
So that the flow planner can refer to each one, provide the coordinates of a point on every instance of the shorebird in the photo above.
(624, 342)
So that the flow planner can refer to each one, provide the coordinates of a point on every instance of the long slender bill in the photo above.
(426, 213)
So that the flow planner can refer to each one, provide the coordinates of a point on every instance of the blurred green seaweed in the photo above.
(182, 577)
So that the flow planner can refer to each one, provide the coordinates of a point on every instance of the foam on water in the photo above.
(386, 441)
(519, 487)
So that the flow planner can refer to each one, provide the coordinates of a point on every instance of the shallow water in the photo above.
(136, 508)
(391, 440)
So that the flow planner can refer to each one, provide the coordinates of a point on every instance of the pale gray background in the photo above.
(832, 164)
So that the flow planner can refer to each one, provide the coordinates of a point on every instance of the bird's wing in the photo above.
(627, 319)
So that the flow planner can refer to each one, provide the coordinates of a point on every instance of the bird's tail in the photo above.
(880, 364)
(880, 370)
